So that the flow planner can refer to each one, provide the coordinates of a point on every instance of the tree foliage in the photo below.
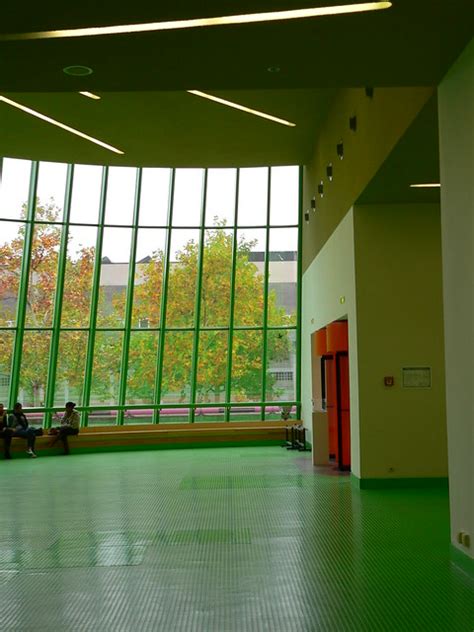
(215, 312)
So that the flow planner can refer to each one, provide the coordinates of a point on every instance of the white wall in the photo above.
(456, 125)
(329, 278)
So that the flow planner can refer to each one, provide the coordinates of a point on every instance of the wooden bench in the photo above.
(159, 436)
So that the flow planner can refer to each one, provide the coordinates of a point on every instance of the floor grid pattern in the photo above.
(221, 540)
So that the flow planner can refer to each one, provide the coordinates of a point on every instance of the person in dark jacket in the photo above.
(19, 423)
(6, 433)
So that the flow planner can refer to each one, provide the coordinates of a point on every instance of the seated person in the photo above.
(5, 432)
(19, 423)
(69, 426)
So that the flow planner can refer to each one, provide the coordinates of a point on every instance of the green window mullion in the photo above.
(299, 296)
(58, 301)
(265, 296)
(197, 307)
(228, 383)
(94, 297)
(164, 298)
(129, 303)
(24, 280)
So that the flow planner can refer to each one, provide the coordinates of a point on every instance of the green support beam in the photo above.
(197, 305)
(230, 344)
(94, 298)
(58, 300)
(265, 295)
(129, 300)
(164, 298)
(23, 288)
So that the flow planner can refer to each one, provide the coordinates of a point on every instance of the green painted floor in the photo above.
(224, 539)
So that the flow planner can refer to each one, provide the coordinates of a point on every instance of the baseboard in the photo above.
(158, 446)
(462, 561)
(399, 483)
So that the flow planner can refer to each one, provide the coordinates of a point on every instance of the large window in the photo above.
(164, 295)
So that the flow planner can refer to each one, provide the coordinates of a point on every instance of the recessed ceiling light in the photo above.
(247, 18)
(78, 71)
(91, 95)
(237, 106)
(427, 185)
(48, 119)
(273, 69)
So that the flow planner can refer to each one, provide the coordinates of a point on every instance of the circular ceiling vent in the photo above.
(78, 71)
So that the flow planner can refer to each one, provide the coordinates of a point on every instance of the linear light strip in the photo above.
(237, 106)
(247, 18)
(427, 185)
(91, 95)
(48, 119)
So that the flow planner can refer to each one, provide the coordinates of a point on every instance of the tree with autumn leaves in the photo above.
(215, 306)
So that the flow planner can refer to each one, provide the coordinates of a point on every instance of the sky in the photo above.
(220, 201)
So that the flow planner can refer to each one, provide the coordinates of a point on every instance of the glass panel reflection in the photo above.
(72, 352)
(177, 361)
(106, 369)
(14, 187)
(12, 235)
(249, 278)
(247, 358)
(212, 366)
(34, 368)
(281, 365)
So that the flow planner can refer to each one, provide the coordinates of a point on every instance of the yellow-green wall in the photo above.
(381, 121)
(400, 324)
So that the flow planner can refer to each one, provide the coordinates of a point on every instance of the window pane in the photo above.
(281, 413)
(142, 361)
(284, 195)
(6, 352)
(247, 351)
(120, 195)
(206, 415)
(212, 366)
(174, 415)
(72, 352)
(182, 278)
(187, 202)
(220, 197)
(86, 189)
(114, 277)
(245, 413)
(283, 276)
(106, 369)
(14, 187)
(34, 368)
(103, 418)
(249, 275)
(43, 273)
(151, 244)
(216, 276)
(177, 359)
(253, 186)
(78, 276)
(12, 236)
(50, 191)
(154, 197)
(281, 365)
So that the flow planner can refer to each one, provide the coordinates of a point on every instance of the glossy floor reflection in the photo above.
(229, 539)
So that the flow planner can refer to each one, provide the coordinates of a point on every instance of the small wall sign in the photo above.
(416, 377)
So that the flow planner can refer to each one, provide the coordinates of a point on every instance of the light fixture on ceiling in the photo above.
(48, 119)
(171, 25)
(321, 189)
(77, 71)
(313, 204)
(340, 150)
(306, 216)
(90, 95)
(273, 69)
(426, 185)
(330, 172)
(237, 106)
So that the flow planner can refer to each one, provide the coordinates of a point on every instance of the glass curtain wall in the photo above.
(149, 295)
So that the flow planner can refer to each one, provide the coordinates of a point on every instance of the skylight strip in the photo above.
(90, 95)
(48, 119)
(171, 25)
(237, 106)
(427, 185)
